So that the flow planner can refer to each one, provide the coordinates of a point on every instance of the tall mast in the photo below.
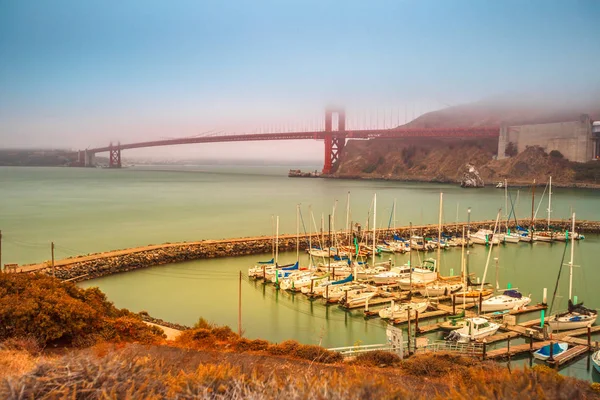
(532, 209)
(277, 242)
(298, 233)
(549, 201)
(374, 227)
(487, 263)
(394, 215)
(571, 262)
(506, 203)
(273, 236)
(310, 260)
(348, 218)
(439, 245)
(463, 268)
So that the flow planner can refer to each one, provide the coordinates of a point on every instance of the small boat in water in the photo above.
(544, 352)
(596, 361)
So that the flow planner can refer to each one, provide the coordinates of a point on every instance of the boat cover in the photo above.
(295, 266)
(580, 309)
(347, 279)
(513, 293)
(557, 348)
(271, 261)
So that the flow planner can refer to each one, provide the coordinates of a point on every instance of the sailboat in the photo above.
(267, 268)
(577, 316)
(510, 299)
(471, 295)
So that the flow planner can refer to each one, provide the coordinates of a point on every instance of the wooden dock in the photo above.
(500, 337)
(568, 355)
(514, 350)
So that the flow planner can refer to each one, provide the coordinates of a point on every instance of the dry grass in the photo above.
(16, 363)
(157, 372)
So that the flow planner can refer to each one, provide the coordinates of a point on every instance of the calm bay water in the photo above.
(90, 210)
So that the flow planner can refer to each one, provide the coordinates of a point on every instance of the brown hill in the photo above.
(444, 160)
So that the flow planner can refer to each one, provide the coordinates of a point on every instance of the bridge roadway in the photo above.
(583, 227)
(315, 135)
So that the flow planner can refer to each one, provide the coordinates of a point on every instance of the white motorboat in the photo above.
(401, 310)
(391, 276)
(438, 289)
(475, 328)
(510, 299)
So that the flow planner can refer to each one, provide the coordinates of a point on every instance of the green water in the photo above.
(90, 210)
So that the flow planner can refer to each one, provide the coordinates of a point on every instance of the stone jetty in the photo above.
(96, 265)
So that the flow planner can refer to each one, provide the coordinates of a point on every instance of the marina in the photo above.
(196, 272)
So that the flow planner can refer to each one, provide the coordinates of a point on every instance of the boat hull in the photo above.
(489, 305)
(559, 324)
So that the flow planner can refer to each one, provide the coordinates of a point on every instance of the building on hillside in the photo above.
(577, 141)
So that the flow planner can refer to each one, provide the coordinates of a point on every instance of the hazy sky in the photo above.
(82, 73)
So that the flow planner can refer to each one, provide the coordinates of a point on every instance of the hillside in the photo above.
(444, 160)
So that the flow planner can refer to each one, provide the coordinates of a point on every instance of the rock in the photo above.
(470, 178)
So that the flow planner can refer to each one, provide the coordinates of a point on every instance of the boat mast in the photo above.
(394, 215)
(506, 203)
(298, 233)
(374, 228)
(463, 267)
(549, 201)
(571, 262)
(410, 269)
(439, 245)
(348, 218)
(277, 242)
(487, 263)
(310, 260)
(531, 228)
(273, 236)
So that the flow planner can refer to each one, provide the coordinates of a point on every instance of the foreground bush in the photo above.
(209, 336)
(377, 358)
(55, 312)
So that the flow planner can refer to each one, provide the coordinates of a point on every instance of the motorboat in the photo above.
(391, 276)
(475, 328)
(509, 300)
(401, 309)
(420, 275)
(438, 289)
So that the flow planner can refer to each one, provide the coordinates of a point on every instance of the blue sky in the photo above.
(82, 73)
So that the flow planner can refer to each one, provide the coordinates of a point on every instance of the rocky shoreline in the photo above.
(169, 254)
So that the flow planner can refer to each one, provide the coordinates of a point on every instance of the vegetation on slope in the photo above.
(52, 312)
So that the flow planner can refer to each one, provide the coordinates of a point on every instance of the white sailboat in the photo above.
(577, 316)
